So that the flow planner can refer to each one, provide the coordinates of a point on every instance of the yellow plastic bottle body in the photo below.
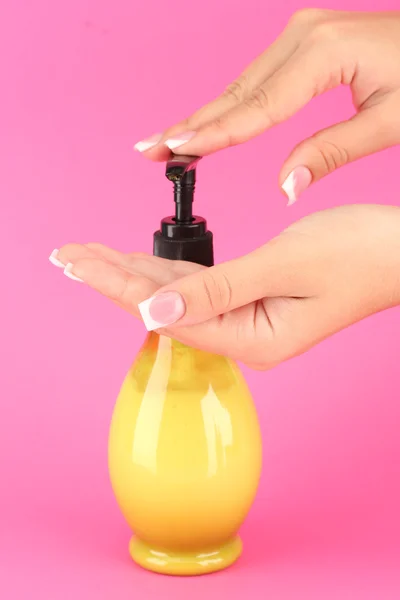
(184, 457)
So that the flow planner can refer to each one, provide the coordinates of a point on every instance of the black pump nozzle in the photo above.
(184, 236)
(181, 170)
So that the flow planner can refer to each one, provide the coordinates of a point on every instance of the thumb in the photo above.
(371, 130)
(269, 271)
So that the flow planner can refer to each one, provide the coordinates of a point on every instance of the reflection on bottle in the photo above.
(145, 446)
(218, 430)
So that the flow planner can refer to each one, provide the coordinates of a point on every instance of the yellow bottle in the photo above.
(184, 457)
(184, 446)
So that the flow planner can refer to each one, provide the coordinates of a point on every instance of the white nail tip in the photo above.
(148, 321)
(145, 145)
(54, 260)
(178, 141)
(173, 144)
(67, 272)
(288, 187)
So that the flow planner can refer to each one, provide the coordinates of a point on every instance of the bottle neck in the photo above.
(182, 366)
(179, 353)
(155, 341)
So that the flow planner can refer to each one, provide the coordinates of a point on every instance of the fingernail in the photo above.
(148, 143)
(54, 260)
(162, 310)
(68, 273)
(180, 139)
(296, 183)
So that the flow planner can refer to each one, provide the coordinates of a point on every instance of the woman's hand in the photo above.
(318, 50)
(325, 272)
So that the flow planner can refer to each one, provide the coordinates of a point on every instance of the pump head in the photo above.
(184, 236)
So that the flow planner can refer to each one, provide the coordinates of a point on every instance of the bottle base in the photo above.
(185, 563)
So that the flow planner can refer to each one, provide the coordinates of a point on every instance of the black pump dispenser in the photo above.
(184, 236)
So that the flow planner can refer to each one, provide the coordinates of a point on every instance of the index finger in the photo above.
(303, 76)
(259, 71)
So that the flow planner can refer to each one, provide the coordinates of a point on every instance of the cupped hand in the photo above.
(323, 273)
(318, 50)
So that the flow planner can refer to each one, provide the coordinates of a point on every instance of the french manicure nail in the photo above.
(67, 272)
(54, 260)
(148, 143)
(180, 139)
(296, 183)
(162, 310)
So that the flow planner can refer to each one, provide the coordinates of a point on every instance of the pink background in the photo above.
(81, 81)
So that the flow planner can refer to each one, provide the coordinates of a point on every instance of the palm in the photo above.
(252, 334)
(321, 274)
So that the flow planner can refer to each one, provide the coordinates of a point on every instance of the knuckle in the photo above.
(304, 16)
(324, 32)
(122, 293)
(127, 291)
(259, 99)
(186, 124)
(220, 128)
(333, 155)
(237, 90)
(218, 291)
